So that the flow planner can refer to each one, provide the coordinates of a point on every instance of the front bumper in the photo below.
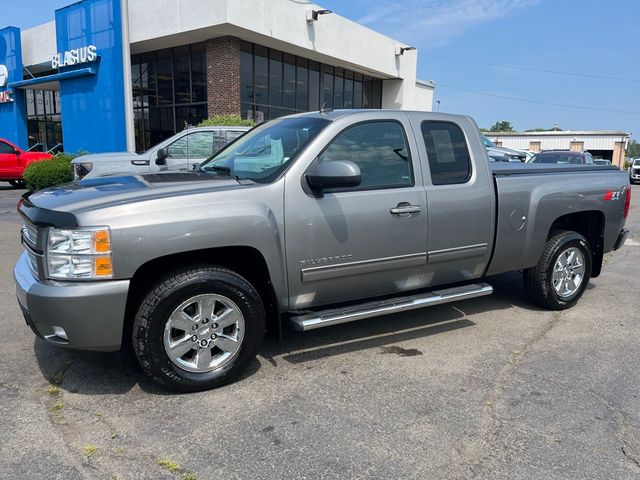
(624, 233)
(89, 314)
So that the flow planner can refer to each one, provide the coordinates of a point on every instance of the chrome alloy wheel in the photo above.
(204, 333)
(568, 272)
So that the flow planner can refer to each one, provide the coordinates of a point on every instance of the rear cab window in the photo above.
(447, 152)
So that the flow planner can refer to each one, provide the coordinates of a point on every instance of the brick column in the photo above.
(223, 76)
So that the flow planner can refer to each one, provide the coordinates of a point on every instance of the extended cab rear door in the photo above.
(461, 205)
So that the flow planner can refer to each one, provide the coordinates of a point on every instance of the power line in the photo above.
(543, 70)
(539, 102)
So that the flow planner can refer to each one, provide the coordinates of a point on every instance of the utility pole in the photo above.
(438, 102)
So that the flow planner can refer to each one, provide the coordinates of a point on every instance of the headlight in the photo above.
(79, 254)
(82, 169)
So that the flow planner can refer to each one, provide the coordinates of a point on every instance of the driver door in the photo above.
(354, 243)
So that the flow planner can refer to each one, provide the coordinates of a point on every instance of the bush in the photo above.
(226, 121)
(49, 173)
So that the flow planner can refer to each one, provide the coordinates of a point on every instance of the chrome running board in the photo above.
(324, 318)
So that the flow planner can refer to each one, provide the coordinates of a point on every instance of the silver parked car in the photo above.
(183, 151)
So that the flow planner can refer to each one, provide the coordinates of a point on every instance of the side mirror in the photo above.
(334, 174)
(161, 158)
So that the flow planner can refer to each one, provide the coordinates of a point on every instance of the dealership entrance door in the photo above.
(44, 119)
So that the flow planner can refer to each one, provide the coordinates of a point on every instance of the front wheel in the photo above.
(198, 328)
(17, 183)
(561, 276)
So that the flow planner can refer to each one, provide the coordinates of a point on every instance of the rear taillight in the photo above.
(627, 201)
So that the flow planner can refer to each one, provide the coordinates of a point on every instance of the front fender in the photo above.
(150, 229)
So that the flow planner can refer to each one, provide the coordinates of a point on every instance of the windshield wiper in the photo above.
(226, 171)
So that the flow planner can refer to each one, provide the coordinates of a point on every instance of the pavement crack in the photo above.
(484, 450)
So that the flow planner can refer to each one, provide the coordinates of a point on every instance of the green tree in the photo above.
(502, 126)
(555, 128)
(633, 149)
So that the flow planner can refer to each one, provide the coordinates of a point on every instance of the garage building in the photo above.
(609, 145)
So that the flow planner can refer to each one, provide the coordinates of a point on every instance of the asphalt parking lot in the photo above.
(487, 388)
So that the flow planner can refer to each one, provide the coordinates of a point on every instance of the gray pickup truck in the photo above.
(313, 220)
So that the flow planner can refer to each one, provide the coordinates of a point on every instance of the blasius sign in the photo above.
(74, 57)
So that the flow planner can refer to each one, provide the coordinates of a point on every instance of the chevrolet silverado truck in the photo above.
(311, 220)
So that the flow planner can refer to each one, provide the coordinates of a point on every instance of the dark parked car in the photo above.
(565, 157)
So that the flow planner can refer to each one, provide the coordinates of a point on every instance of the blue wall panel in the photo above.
(13, 115)
(93, 109)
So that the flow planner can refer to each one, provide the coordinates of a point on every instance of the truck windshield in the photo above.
(488, 143)
(263, 153)
(558, 158)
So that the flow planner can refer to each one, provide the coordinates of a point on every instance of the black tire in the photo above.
(165, 296)
(17, 183)
(538, 281)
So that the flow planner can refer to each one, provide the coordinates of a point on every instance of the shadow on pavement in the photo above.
(93, 373)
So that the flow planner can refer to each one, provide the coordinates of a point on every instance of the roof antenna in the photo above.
(323, 109)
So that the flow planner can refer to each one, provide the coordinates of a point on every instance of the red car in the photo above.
(13, 161)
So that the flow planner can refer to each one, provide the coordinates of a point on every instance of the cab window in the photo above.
(447, 151)
(380, 150)
(6, 148)
(194, 145)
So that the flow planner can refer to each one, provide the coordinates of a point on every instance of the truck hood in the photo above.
(107, 191)
(108, 157)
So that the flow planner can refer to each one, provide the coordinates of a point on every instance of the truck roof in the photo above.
(335, 114)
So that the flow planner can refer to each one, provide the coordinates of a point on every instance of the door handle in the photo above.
(405, 209)
(140, 163)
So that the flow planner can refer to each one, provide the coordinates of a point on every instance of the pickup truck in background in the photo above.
(183, 151)
(494, 151)
(313, 220)
(13, 161)
(634, 171)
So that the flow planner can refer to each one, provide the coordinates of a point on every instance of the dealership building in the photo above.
(113, 75)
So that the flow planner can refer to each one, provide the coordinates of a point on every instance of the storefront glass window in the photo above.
(273, 84)
(44, 124)
(169, 92)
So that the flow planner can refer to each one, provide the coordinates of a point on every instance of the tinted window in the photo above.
(379, 149)
(447, 153)
(195, 145)
(559, 158)
(223, 137)
(5, 148)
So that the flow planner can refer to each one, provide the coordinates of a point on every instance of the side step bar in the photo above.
(324, 318)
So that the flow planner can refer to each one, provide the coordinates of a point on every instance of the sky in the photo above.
(571, 53)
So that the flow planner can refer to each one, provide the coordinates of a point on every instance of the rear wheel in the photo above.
(17, 183)
(199, 328)
(561, 276)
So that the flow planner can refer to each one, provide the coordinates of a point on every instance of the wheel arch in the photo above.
(244, 260)
(590, 224)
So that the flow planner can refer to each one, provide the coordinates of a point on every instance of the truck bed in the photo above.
(501, 169)
(531, 197)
